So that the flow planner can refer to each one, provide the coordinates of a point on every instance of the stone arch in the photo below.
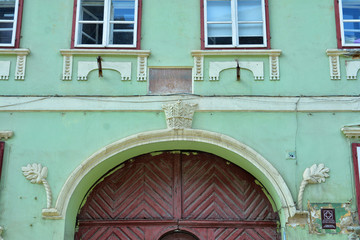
(86, 174)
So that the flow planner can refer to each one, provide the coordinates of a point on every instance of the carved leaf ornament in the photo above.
(36, 173)
(314, 174)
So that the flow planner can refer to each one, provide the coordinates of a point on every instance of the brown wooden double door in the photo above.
(194, 194)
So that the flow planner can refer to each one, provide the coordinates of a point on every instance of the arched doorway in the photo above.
(194, 192)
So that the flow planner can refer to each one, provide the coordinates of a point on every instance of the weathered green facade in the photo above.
(80, 129)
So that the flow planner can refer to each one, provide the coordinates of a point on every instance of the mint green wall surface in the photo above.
(303, 30)
(62, 141)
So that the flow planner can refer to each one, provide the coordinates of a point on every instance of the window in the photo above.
(106, 23)
(356, 162)
(235, 23)
(10, 22)
(349, 15)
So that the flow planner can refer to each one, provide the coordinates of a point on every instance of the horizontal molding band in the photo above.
(205, 104)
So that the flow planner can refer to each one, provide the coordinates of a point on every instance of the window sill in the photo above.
(234, 52)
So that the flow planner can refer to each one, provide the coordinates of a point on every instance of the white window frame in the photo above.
(342, 21)
(106, 27)
(14, 28)
(235, 22)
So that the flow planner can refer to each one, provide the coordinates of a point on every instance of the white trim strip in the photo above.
(154, 103)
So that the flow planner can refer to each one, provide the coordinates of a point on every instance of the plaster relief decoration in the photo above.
(36, 173)
(142, 69)
(67, 68)
(1, 232)
(352, 68)
(198, 71)
(314, 174)
(179, 115)
(124, 68)
(4, 70)
(6, 134)
(258, 71)
(352, 131)
(257, 68)
(20, 61)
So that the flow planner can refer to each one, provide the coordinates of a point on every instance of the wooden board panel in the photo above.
(192, 191)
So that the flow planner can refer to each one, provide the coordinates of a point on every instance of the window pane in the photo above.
(122, 10)
(250, 34)
(6, 32)
(219, 34)
(90, 33)
(352, 32)
(218, 10)
(249, 10)
(7, 9)
(122, 34)
(92, 10)
(351, 9)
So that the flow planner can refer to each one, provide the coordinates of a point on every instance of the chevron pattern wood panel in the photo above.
(110, 233)
(216, 189)
(140, 189)
(193, 191)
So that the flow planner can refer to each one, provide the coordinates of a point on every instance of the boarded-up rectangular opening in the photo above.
(170, 80)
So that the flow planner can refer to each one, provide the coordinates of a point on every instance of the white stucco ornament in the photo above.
(179, 115)
(36, 173)
(312, 175)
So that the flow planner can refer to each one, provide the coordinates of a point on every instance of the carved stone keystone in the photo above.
(314, 174)
(179, 115)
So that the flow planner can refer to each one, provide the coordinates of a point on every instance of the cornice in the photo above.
(351, 131)
(85, 52)
(242, 52)
(205, 104)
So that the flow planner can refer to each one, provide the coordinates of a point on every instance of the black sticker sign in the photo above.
(328, 218)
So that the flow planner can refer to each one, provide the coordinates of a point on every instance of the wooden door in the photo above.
(198, 194)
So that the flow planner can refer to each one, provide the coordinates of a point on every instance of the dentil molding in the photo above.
(68, 55)
(312, 175)
(20, 62)
(272, 54)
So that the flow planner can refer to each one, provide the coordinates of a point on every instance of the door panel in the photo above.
(197, 192)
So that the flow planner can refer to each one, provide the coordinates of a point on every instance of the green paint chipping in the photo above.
(343, 217)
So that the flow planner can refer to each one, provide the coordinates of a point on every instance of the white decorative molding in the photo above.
(124, 68)
(4, 70)
(198, 69)
(35, 173)
(142, 69)
(257, 68)
(67, 68)
(352, 68)
(6, 134)
(179, 115)
(273, 55)
(274, 67)
(141, 55)
(20, 60)
(218, 142)
(312, 175)
(351, 131)
(20, 67)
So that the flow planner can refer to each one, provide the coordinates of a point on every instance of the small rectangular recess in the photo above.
(170, 80)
